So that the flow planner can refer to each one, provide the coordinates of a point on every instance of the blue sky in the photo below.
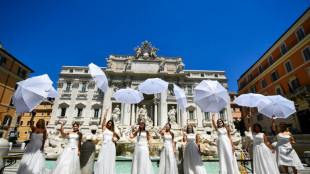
(209, 35)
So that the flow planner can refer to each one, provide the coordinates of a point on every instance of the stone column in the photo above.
(199, 117)
(133, 114)
(163, 108)
(155, 114)
(126, 114)
(107, 102)
(178, 115)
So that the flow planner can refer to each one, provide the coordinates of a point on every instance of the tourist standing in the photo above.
(33, 161)
(192, 159)
(225, 148)
(106, 158)
(168, 163)
(68, 161)
(287, 157)
(141, 163)
(264, 160)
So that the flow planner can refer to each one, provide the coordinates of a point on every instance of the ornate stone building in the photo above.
(81, 101)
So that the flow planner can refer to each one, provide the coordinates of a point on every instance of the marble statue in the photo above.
(171, 115)
(128, 64)
(138, 51)
(109, 63)
(180, 67)
(116, 113)
(153, 52)
(161, 66)
(143, 116)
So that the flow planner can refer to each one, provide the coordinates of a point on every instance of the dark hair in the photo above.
(187, 131)
(112, 127)
(76, 124)
(169, 125)
(222, 122)
(43, 126)
(140, 127)
(260, 127)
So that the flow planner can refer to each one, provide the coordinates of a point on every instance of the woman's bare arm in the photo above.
(267, 143)
(43, 140)
(80, 142)
(149, 140)
(213, 121)
(232, 144)
(173, 145)
(197, 142)
(105, 118)
(273, 125)
(62, 129)
(31, 121)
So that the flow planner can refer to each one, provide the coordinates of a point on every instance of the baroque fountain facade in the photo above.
(81, 102)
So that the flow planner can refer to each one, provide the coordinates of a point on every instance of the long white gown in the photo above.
(33, 161)
(68, 161)
(106, 158)
(286, 154)
(192, 159)
(141, 163)
(264, 160)
(228, 163)
(168, 163)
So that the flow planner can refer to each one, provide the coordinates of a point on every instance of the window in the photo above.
(63, 112)
(295, 84)
(202, 75)
(300, 34)
(68, 86)
(253, 89)
(2, 61)
(84, 86)
(96, 113)
(222, 115)
(18, 134)
(232, 97)
(79, 113)
(306, 53)
(86, 71)
(189, 74)
(48, 113)
(234, 109)
(7, 120)
(207, 115)
(71, 70)
(270, 60)
(251, 76)
(189, 90)
(288, 66)
(21, 73)
(264, 83)
(216, 75)
(283, 49)
(47, 123)
(278, 91)
(274, 76)
(15, 87)
(191, 115)
(26, 132)
(259, 117)
(260, 69)
(11, 102)
(28, 123)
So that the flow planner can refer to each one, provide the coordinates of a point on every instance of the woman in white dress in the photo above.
(168, 163)
(106, 158)
(68, 161)
(192, 159)
(264, 160)
(141, 163)
(225, 148)
(33, 161)
(287, 157)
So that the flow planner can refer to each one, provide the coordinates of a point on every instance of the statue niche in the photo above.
(116, 114)
(143, 116)
(172, 115)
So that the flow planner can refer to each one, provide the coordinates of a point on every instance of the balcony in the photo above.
(63, 120)
(94, 121)
(79, 120)
(192, 122)
(206, 122)
(298, 91)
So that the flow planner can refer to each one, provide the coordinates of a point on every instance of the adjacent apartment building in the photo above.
(235, 109)
(11, 71)
(284, 69)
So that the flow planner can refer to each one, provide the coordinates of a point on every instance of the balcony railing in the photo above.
(192, 122)
(94, 120)
(206, 122)
(79, 120)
